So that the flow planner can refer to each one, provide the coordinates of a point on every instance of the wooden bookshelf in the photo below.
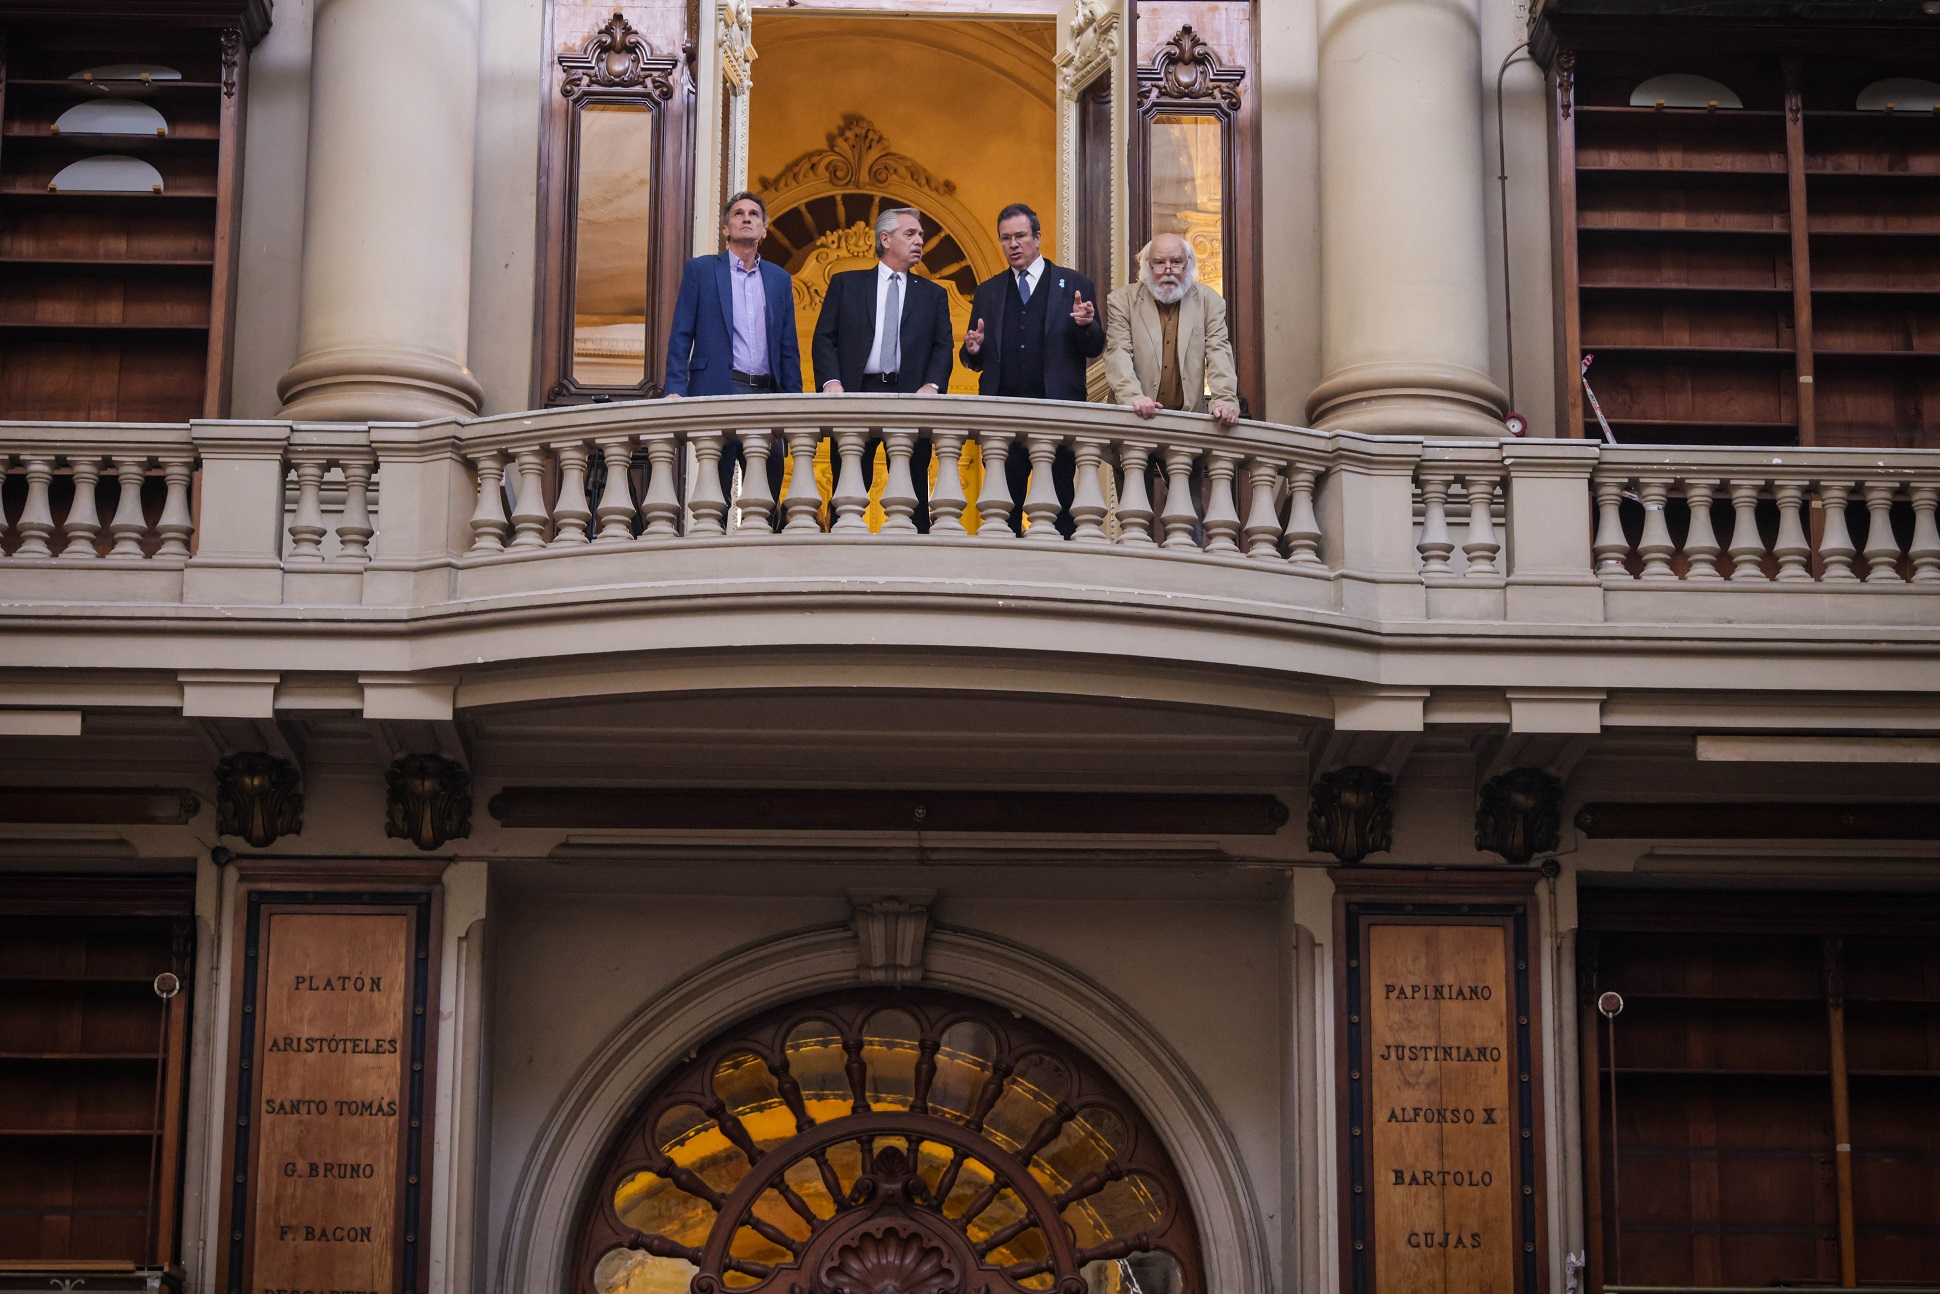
(1767, 274)
(119, 306)
(93, 1069)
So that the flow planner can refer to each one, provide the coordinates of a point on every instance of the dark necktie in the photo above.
(1024, 286)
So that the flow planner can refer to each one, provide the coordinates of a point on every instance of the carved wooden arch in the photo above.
(885, 1171)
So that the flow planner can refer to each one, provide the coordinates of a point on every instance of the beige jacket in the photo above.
(1133, 358)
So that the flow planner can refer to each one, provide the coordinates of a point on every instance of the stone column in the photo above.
(382, 328)
(1404, 271)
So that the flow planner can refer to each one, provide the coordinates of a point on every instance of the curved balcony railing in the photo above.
(554, 505)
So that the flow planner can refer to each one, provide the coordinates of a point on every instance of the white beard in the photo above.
(1167, 295)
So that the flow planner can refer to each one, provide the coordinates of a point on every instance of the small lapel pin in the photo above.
(1060, 282)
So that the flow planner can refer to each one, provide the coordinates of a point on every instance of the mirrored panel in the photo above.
(1188, 185)
(612, 244)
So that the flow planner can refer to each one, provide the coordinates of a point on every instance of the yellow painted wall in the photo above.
(972, 100)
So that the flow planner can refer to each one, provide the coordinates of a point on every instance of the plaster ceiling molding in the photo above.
(108, 173)
(737, 43)
(889, 930)
(111, 117)
(1096, 31)
(1684, 90)
(859, 158)
(1899, 94)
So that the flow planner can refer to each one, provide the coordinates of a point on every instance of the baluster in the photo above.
(1481, 546)
(1262, 532)
(488, 514)
(1222, 513)
(1134, 499)
(1836, 549)
(757, 506)
(1436, 545)
(354, 529)
(1794, 553)
(1611, 545)
(946, 497)
(851, 486)
(1747, 545)
(1303, 527)
(899, 489)
(84, 514)
(6, 462)
(1180, 516)
(529, 509)
(661, 507)
(804, 500)
(36, 524)
(306, 528)
(1925, 548)
(130, 525)
(1882, 549)
(994, 503)
(615, 511)
(177, 521)
(1655, 547)
(571, 512)
(1701, 542)
(705, 502)
(1041, 497)
(1087, 495)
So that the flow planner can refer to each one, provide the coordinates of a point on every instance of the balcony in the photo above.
(1395, 566)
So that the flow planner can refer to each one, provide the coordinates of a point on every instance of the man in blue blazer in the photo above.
(734, 326)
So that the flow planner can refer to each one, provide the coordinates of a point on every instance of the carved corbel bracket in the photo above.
(1351, 813)
(258, 797)
(428, 800)
(889, 931)
(1520, 814)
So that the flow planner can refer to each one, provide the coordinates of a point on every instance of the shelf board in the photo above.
(1876, 292)
(149, 1056)
(1684, 290)
(47, 141)
(39, 197)
(1860, 179)
(1680, 231)
(55, 977)
(109, 263)
(1723, 354)
(116, 329)
(1678, 1071)
(67, 88)
(1686, 114)
(1889, 235)
(1685, 172)
(1924, 356)
(1854, 114)
(142, 1134)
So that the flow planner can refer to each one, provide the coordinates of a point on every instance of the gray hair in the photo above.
(886, 223)
(1191, 275)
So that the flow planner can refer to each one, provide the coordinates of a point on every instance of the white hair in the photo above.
(1189, 276)
(886, 223)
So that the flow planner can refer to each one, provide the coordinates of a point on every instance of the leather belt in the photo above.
(760, 382)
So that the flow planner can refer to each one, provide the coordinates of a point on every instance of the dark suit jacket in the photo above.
(1067, 347)
(845, 332)
(700, 351)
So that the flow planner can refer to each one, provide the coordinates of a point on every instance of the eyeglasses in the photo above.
(1015, 238)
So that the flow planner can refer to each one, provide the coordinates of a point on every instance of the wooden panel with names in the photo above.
(1442, 1119)
(1441, 1150)
(328, 1161)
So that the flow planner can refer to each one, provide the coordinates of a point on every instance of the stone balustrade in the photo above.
(566, 506)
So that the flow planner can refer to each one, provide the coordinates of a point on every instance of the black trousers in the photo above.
(733, 456)
(919, 456)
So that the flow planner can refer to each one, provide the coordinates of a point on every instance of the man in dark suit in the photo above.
(887, 329)
(734, 327)
(1033, 329)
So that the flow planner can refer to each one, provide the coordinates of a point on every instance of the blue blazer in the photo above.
(700, 351)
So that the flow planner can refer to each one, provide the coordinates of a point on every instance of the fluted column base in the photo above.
(373, 384)
(1397, 398)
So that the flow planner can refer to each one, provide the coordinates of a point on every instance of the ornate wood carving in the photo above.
(1351, 814)
(616, 58)
(1186, 69)
(736, 37)
(231, 60)
(429, 800)
(1520, 814)
(258, 798)
(1096, 30)
(1565, 80)
(1081, 1174)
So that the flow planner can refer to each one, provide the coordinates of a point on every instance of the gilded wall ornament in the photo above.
(258, 797)
(1520, 814)
(858, 156)
(428, 800)
(1351, 813)
(737, 43)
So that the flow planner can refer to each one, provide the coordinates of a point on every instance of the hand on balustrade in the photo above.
(831, 387)
(674, 395)
(1145, 406)
(1225, 412)
(928, 388)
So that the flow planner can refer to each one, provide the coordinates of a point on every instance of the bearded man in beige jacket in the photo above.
(1165, 338)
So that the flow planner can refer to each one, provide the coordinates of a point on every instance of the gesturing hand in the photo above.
(1082, 311)
(973, 340)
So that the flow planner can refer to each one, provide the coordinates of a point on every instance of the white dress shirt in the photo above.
(1033, 272)
(883, 275)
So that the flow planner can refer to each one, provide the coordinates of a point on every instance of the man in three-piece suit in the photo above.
(1034, 327)
(886, 329)
(734, 326)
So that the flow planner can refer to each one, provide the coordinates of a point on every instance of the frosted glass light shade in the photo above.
(1684, 90)
(1899, 94)
(111, 117)
(108, 173)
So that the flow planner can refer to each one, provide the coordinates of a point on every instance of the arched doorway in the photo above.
(879, 1140)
